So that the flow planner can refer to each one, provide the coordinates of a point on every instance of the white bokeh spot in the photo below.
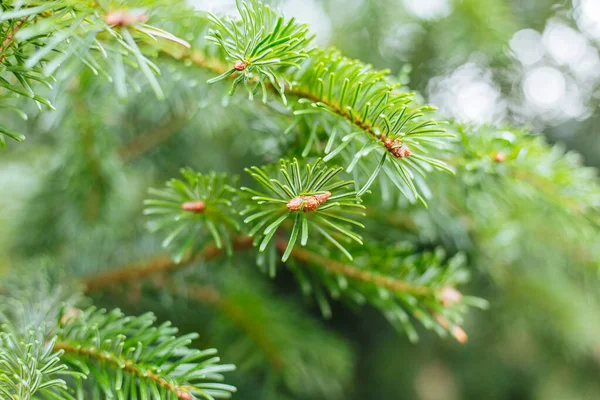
(544, 87)
(527, 46)
(428, 9)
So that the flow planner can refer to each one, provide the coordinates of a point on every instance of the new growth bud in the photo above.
(183, 395)
(499, 157)
(194, 206)
(307, 203)
(397, 148)
(240, 65)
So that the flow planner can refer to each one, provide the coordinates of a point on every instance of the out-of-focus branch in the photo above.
(211, 296)
(157, 265)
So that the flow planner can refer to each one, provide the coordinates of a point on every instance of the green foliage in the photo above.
(261, 46)
(40, 40)
(30, 369)
(53, 350)
(381, 130)
(403, 284)
(129, 357)
(519, 211)
(313, 198)
(193, 211)
(269, 338)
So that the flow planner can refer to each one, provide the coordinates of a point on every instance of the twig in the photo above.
(157, 265)
(197, 58)
(352, 272)
(9, 37)
(212, 296)
(117, 362)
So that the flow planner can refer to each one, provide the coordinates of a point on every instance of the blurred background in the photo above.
(528, 63)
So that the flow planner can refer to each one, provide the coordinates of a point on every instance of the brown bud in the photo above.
(194, 206)
(402, 151)
(499, 157)
(307, 203)
(183, 395)
(396, 147)
(240, 65)
(449, 296)
(124, 18)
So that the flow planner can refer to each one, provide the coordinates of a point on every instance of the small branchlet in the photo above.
(193, 212)
(315, 191)
(261, 46)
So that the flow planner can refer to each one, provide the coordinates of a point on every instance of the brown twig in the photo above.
(9, 37)
(157, 136)
(119, 362)
(212, 296)
(353, 272)
(157, 265)
(197, 58)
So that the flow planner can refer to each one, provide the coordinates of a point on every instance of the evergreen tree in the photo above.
(339, 192)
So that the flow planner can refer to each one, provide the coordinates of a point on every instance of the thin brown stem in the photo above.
(157, 265)
(197, 58)
(237, 314)
(155, 137)
(10, 34)
(354, 273)
(117, 362)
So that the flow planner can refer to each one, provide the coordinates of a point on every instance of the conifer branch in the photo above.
(209, 295)
(142, 144)
(352, 272)
(157, 265)
(120, 362)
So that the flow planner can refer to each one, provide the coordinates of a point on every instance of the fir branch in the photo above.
(130, 356)
(114, 361)
(312, 197)
(354, 273)
(144, 143)
(193, 212)
(158, 265)
(209, 295)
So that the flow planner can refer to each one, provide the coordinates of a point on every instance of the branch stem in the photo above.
(157, 265)
(117, 362)
(200, 60)
(354, 273)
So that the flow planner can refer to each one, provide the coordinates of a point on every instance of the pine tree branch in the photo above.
(157, 265)
(164, 263)
(142, 144)
(354, 273)
(200, 60)
(209, 295)
(118, 362)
